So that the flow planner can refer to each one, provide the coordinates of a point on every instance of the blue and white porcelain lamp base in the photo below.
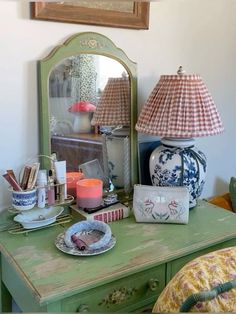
(177, 162)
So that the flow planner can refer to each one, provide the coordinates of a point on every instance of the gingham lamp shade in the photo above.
(114, 105)
(180, 106)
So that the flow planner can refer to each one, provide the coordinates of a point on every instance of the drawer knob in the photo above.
(153, 284)
(82, 308)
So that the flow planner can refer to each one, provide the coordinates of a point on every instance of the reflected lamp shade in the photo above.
(179, 109)
(113, 108)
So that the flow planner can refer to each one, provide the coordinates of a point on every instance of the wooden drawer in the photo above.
(129, 293)
(174, 266)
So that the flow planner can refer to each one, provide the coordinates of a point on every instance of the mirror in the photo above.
(88, 109)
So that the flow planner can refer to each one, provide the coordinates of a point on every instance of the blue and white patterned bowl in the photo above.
(24, 200)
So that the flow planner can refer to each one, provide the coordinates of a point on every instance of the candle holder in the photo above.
(89, 193)
(71, 179)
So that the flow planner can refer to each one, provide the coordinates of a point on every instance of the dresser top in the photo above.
(51, 273)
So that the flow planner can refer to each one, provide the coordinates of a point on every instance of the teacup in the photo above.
(24, 200)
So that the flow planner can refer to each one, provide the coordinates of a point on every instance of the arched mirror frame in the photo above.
(85, 43)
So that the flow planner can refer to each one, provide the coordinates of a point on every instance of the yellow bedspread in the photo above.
(203, 273)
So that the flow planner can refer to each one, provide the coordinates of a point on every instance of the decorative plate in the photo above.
(38, 217)
(60, 244)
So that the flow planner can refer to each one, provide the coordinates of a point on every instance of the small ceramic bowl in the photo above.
(38, 217)
(24, 200)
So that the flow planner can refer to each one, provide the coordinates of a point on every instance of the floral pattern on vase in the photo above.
(176, 166)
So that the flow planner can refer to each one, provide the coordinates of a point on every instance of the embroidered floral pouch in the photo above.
(161, 204)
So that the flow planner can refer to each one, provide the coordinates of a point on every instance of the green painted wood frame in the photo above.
(86, 43)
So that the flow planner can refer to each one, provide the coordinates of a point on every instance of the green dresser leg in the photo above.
(5, 297)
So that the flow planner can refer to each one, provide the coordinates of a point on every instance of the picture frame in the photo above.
(124, 14)
(92, 169)
(116, 158)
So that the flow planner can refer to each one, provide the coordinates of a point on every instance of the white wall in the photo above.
(198, 34)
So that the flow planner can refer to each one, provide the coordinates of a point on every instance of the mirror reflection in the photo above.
(89, 113)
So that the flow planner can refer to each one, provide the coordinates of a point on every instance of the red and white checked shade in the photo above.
(114, 105)
(180, 106)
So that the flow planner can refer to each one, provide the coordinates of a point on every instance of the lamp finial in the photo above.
(180, 71)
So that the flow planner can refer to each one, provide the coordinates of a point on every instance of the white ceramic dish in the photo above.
(38, 217)
(60, 244)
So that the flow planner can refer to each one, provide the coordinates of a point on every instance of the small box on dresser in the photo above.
(108, 214)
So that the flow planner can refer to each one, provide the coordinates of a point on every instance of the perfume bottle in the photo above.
(41, 185)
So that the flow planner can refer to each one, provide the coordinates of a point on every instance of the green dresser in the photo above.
(127, 278)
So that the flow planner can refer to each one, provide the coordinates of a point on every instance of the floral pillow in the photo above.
(201, 274)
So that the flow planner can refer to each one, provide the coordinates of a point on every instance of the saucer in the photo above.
(60, 244)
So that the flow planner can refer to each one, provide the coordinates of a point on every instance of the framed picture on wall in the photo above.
(125, 14)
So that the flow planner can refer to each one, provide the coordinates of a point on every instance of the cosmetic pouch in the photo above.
(161, 204)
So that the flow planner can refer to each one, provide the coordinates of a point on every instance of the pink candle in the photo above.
(89, 193)
(71, 179)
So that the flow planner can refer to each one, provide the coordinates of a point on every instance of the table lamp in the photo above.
(113, 108)
(113, 113)
(179, 109)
